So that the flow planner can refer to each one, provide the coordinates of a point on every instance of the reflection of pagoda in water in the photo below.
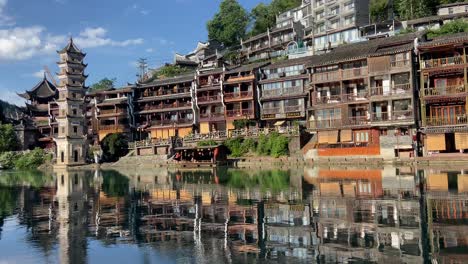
(447, 215)
(72, 215)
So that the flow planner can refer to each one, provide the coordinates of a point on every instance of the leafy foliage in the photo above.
(104, 84)
(205, 143)
(379, 10)
(452, 27)
(8, 159)
(243, 123)
(264, 15)
(8, 140)
(114, 146)
(273, 144)
(229, 25)
(412, 9)
(168, 71)
(32, 160)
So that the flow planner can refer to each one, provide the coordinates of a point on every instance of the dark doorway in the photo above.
(62, 157)
(75, 155)
(450, 142)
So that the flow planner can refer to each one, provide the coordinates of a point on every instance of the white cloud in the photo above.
(23, 43)
(97, 37)
(150, 50)
(145, 12)
(39, 74)
(4, 19)
(11, 97)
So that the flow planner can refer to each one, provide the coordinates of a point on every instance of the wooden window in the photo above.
(361, 136)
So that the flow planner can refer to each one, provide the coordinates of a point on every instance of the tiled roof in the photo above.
(457, 38)
(429, 19)
(44, 89)
(362, 50)
(174, 80)
(253, 38)
(285, 63)
(246, 67)
(212, 71)
(70, 48)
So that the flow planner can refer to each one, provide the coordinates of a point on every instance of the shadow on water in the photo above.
(301, 215)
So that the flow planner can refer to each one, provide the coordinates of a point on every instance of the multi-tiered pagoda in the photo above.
(71, 139)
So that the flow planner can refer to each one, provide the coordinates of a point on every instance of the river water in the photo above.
(300, 215)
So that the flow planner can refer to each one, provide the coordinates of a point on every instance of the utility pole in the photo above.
(142, 67)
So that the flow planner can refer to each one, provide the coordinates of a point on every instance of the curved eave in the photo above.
(24, 95)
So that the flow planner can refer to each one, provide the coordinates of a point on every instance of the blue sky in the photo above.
(113, 33)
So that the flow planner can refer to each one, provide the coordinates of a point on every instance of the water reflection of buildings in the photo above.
(327, 215)
(447, 214)
(364, 214)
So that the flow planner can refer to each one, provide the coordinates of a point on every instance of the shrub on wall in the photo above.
(273, 144)
(32, 159)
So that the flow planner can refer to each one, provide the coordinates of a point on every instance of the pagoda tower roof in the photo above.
(71, 48)
(44, 90)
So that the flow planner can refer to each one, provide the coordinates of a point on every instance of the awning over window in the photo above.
(435, 142)
(346, 135)
(461, 140)
(279, 123)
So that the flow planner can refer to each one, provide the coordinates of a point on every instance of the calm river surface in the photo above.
(301, 215)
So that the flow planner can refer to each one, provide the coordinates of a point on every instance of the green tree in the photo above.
(379, 10)
(114, 146)
(8, 140)
(412, 9)
(32, 159)
(104, 84)
(456, 26)
(228, 26)
(264, 16)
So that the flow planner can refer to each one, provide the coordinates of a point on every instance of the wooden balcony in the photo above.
(169, 122)
(115, 128)
(444, 91)
(240, 113)
(447, 121)
(209, 99)
(293, 108)
(239, 79)
(110, 112)
(400, 89)
(360, 96)
(325, 124)
(333, 76)
(396, 116)
(400, 64)
(356, 121)
(271, 111)
(166, 107)
(206, 83)
(211, 116)
(443, 62)
(354, 73)
(245, 95)
(332, 99)
(282, 92)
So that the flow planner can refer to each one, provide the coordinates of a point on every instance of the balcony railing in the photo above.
(149, 143)
(447, 121)
(204, 83)
(282, 91)
(166, 106)
(211, 115)
(442, 62)
(332, 99)
(400, 63)
(333, 76)
(405, 115)
(354, 73)
(293, 108)
(212, 98)
(166, 92)
(239, 113)
(360, 96)
(271, 111)
(238, 95)
(321, 124)
(447, 90)
(395, 90)
(356, 121)
(111, 111)
(111, 127)
(240, 78)
(171, 122)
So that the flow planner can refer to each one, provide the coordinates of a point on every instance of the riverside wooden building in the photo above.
(361, 93)
(391, 97)
(443, 64)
